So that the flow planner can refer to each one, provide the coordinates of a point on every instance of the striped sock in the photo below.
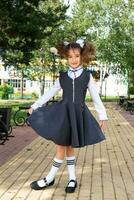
(71, 169)
(51, 175)
(56, 165)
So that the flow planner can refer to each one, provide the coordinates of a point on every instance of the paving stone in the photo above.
(104, 171)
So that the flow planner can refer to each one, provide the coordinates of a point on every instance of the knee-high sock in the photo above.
(52, 173)
(71, 168)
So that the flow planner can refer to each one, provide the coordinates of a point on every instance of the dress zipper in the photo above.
(74, 86)
(73, 91)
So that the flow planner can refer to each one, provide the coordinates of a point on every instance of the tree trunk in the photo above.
(22, 80)
(42, 85)
(129, 85)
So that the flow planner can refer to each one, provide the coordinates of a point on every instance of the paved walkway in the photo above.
(105, 171)
(22, 137)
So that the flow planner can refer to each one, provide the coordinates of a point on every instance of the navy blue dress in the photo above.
(68, 122)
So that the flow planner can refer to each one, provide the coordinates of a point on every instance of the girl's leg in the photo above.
(49, 179)
(58, 160)
(69, 151)
(70, 157)
(60, 152)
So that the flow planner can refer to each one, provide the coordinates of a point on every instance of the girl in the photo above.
(69, 123)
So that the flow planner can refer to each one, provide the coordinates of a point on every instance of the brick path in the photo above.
(22, 137)
(104, 171)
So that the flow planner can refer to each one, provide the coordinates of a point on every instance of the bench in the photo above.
(20, 120)
(5, 126)
(130, 106)
(122, 100)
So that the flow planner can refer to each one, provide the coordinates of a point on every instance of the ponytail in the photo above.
(88, 52)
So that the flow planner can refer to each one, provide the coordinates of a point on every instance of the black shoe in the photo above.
(70, 189)
(34, 185)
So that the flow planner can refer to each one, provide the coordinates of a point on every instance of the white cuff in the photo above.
(35, 106)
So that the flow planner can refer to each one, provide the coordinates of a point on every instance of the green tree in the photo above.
(24, 24)
(109, 24)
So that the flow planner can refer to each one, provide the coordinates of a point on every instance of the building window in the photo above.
(48, 83)
(16, 83)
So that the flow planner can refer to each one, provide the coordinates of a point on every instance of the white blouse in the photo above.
(91, 88)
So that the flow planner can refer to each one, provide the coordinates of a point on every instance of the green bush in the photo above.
(5, 90)
(34, 95)
(26, 95)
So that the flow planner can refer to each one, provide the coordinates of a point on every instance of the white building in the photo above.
(113, 85)
(13, 78)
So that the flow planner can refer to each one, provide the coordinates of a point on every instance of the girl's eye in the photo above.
(76, 56)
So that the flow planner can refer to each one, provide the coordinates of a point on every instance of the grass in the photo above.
(15, 103)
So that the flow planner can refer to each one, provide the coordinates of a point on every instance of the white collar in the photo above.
(75, 69)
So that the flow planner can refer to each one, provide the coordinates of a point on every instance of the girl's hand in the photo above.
(101, 123)
(30, 111)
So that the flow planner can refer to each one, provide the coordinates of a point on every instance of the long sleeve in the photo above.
(96, 99)
(47, 96)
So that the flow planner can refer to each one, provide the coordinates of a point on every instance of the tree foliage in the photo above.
(24, 24)
(109, 25)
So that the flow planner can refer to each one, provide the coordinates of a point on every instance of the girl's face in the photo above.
(74, 58)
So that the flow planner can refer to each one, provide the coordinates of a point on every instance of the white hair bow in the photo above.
(66, 43)
(79, 41)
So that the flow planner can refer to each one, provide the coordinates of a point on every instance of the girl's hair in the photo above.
(87, 51)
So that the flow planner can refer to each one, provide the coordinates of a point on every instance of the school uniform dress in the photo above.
(69, 122)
